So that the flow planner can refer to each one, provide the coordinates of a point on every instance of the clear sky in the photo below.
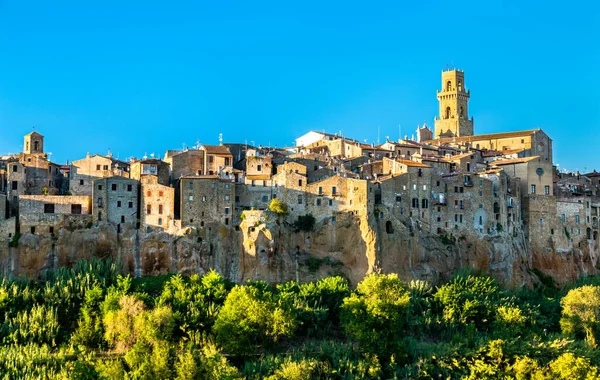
(146, 76)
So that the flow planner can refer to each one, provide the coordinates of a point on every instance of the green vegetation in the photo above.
(305, 223)
(89, 322)
(278, 207)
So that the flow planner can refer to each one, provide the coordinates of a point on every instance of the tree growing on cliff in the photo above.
(581, 313)
(278, 207)
(305, 223)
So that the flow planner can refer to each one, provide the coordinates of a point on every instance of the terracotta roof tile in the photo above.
(216, 149)
(513, 161)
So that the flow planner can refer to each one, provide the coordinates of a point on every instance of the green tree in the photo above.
(581, 311)
(278, 207)
(251, 317)
(375, 314)
(469, 300)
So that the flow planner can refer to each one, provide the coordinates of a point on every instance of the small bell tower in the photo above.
(33, 143)
(453, 120)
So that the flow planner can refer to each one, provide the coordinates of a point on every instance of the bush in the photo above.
(305, 223)
(581, 313)
(375, 312)
(278, 207)
(251, 317)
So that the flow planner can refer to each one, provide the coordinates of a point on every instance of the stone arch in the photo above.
(449, 85)
(588, 233)
(36, 146)
(448, 112)
(459, 86)
(496, 208)
(461, 111)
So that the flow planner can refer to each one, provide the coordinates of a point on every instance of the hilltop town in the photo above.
(493, 201)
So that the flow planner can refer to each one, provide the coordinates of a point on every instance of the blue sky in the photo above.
(142, 77)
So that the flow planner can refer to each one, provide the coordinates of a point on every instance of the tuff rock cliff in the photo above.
(268, 248)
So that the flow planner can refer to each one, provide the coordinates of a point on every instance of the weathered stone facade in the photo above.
(85, 171)
(207, 200)
(46, 214)
(116, 201)
(157, 207)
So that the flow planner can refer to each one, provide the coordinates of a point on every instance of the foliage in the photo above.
(249, 317)
(89, 322)
(278, 207)
(376, 311)
(305, 223)
(581, 313)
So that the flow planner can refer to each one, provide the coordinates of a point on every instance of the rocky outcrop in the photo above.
(268, 248)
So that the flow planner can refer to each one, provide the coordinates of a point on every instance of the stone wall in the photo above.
(115, 200)
(207, 200)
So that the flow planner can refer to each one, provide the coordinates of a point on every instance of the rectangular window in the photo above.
(191, 198)
(160, 221)
(227, 161)
(129, 187)
(15, 185)
(318, 201)
(105, 167)
(160, 209)
(99, 202)
(456, 189)
(532, 189)
(577, 219)
(398, 198)
(49, 208)
(122, 218)
(51, 230)
(118, 203)
(547, 190)
(460, 217)
(334, 190)
(226, 210)
(299, 182)
(237, 198)
(331, 202)
(320, 190)
(97, 167)
(259, 168)
(191, 186)
(563, 217)
(15, 168)
(76, 209)
(227, 197)
(204, 198)
(462, 189)
(226, 221)
(148, 209)
(113, 187)
(99, 187)
(80, 182)
(299, 199)
(130, 205)
(149, 193)
(265, 198)
(160, 193)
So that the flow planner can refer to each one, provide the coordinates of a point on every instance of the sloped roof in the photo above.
(489, 136)
(513, 161)
(216, 149)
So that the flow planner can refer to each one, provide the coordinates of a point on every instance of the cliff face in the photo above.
(269, 249)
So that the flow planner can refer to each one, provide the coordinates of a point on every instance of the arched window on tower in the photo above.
(36, 146)
(447, 112)
(449, 86)
(461, 111)
(459, 86)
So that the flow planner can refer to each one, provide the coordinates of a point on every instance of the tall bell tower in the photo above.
(453, 120)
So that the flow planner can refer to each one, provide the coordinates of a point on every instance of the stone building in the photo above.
(153, 169)
(46, 214)
(217, 158)
(207, 200)
(30, 172)
(3, 207)
(85, 171)
(156, 206)
(454, 106)
(115, 200)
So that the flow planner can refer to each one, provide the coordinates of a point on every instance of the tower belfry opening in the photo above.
(453, 120)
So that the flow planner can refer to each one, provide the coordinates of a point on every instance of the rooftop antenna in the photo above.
(198, 144)
(145, 157)
(220, 139)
